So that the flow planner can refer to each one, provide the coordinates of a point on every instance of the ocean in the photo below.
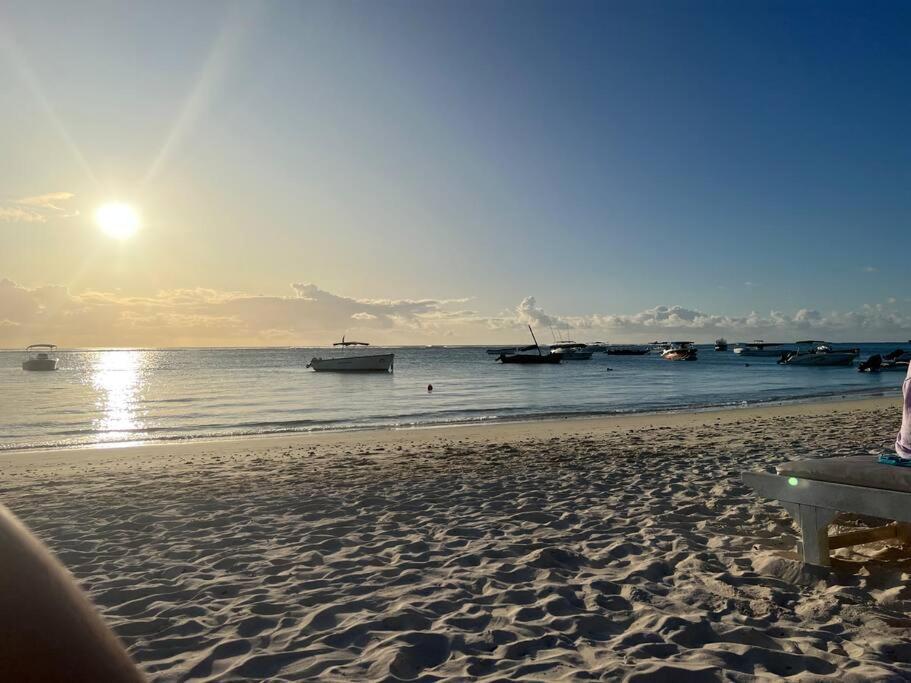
(114, 396)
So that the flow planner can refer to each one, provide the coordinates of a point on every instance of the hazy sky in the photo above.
(414, 171)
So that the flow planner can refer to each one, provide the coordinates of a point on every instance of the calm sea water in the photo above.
(112, 396)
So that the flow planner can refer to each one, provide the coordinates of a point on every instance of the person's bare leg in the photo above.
(49, 631)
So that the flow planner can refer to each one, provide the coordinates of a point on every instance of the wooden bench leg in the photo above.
(814, 531)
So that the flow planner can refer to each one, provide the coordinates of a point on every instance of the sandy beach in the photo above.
(582, 549)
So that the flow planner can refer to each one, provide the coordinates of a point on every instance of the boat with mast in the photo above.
(522, 358)
(377, 362)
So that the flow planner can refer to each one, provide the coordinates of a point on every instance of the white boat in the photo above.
(817, 353)
(570, 350)
(380, 362)
(763, 348)
(681, 350)
(40, 357)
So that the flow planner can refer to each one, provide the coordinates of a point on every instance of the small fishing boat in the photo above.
(523, 358)
(378, 362)
(817, 354)
(40, 357)
(721, 344)
(680, 350)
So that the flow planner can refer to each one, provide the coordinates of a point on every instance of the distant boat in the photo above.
(762, 348)
(721, 344)
(627, 349)
(878, 363)
(680, 350)
(41, 357)
(898, 355)
(350, 343)
(379, 362)
(522, 358)
(817, 353)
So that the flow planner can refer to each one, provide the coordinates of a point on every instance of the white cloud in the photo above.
(36, 209)
(310, 315)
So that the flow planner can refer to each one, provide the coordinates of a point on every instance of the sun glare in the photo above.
(117, 220)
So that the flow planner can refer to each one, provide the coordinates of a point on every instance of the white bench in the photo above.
(814, 492)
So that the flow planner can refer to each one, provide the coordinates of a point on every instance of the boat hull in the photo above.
(527, 359)
(375, 363)
(821, 359)
(572, 354)
(40, 364)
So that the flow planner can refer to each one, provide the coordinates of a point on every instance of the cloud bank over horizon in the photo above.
(309, 315)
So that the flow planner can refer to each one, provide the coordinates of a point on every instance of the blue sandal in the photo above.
(888, 459)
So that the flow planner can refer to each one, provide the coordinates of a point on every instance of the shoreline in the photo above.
(493, 431)
(828, 399)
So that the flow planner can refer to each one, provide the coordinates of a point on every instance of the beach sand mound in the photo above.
(624, 555)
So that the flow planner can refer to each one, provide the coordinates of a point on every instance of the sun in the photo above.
(117, 220)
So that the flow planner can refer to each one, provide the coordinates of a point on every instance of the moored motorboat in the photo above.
(817, 354)
(680, 350)
(40, 357)
(569, 350)
(659, 347)
(759, 347)
(721, 344)
(878, 363)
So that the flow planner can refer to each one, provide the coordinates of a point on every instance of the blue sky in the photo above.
(606, 158)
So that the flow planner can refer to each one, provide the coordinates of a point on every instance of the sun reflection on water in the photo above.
(117, 377)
